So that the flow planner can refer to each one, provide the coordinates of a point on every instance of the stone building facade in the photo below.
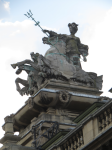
(65, 110)
(72, 118)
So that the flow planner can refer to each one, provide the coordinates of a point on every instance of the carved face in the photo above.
(34, 57)
(72, 28)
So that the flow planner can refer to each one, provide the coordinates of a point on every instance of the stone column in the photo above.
(8, 126)
(9, 138)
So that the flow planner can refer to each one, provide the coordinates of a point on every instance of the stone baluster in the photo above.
(33, 136)
(109, 115)
(65, 146)
(78, 140)
(59, 148)
(68, 145)
(81, 138)
(71, 143)
(109, 110)
(105, 119)
(75, 142)
(101, 121)
(62, 147)
(110, 144)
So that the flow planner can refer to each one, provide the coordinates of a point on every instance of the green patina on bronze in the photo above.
(61, 61)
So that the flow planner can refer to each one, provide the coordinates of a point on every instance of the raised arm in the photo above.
(51, 33)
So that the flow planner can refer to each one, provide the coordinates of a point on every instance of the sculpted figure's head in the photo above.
(73, 28)
(34, 56)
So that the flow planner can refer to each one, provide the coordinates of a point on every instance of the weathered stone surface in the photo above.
(18, 147)
(61, 62)
(70, 97)
(53, 100)
(60, 90)
(8, 138)
(8, 126)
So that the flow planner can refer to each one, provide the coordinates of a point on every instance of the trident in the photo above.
(29, 15)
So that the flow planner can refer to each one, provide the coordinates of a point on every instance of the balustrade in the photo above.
(105, 118)
(75, 142)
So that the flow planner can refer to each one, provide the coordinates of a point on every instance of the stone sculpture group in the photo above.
(61, 62)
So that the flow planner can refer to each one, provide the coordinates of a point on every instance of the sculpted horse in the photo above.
(34, 79)
(66, 62)
(55, 64)
(38, 70)
(61, 62)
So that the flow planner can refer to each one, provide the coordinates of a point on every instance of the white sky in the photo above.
(19, 37)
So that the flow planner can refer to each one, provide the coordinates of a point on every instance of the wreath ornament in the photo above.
(64, 96)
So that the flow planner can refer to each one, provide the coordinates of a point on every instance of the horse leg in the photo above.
(39, 81)
(23, 82)
(27, 61)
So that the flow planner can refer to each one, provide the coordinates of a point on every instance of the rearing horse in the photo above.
(33, 79)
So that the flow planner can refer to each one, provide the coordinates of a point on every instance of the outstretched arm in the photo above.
(51, 33)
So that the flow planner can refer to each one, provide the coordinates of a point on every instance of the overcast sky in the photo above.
(19, 36)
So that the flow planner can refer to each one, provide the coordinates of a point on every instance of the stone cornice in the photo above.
(10, 137)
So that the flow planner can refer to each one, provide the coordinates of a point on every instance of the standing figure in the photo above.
(74, 48)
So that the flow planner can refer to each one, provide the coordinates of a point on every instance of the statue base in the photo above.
(59, 94)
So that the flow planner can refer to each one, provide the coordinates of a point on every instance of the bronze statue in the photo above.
(73, 47)
(61, 62)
